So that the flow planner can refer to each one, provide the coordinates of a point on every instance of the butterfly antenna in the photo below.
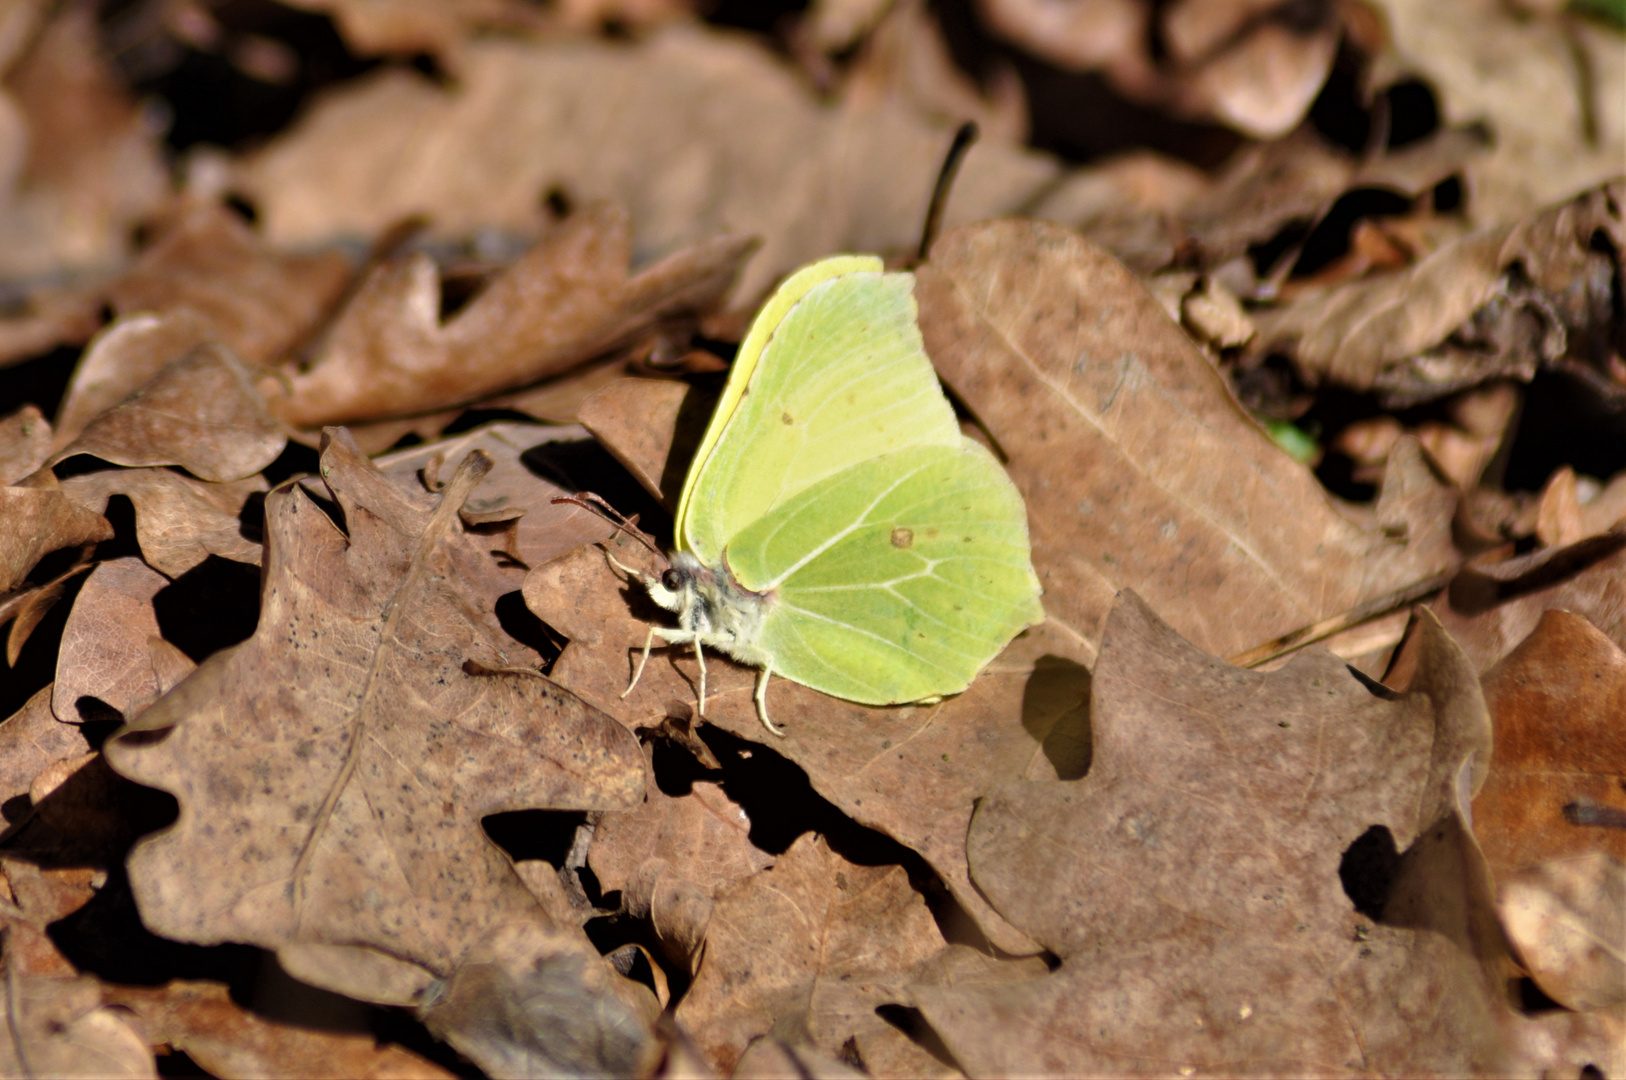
(963, 139)
(596, 505)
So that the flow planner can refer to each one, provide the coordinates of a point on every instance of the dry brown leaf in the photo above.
(671, 856)
(1191, 881)
(180, 521)
(1558, 778)
(914, 772)
(1558, 515)
(513, 488)
(25, 443)
(342, 758)
(31, 739)
(532, 1001)
(1505, 300)
(37, 521)
(568, 300)
(1084, 35)
(201, 412)
(1567, 922)
(652, 427)
(703, 134)
(412, 27)
(60, 1027)
(1552, 91)
(128, 352)
(257, 301)
(1235, 61)
(81, 163)
(807, 949)
(104, 663)
(907, 59)
(768, 1058)
(1170, 488)
(225, 1039)
(1490, 608)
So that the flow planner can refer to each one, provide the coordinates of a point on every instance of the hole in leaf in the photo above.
(1367, 870)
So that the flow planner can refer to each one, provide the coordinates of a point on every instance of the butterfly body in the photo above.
(836, 527)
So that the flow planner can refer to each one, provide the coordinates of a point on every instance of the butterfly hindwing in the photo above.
(843, 378)
(895, 579)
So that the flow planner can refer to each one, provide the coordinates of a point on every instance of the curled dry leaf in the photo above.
(671, 856)
(768, 1058)
(533, 1001)
(258, 302)
(1191, 881)
(415, 27)
(37, 521)
(512, 491)
(807, 950)
(569, 299)
(60, 1027)
(652, 427)
(201, 412)
(1566, 921)
(1490, 608)
(180, 521)
(343, 757)
(104, 663)
(125, 354)
(1240, 63)
(1063, 356)
(703, 135)
(25, 443)
(31, 739)
(1503, 301)
(82, 164)
(1557, 787)
(913, 772)
(1552, 90)
(201, 1020)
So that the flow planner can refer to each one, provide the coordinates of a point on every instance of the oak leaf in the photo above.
(180, 521)
(1192, 881)
(1170, 488)
(201, 411)
(569, 299)
(808, 949)
(343, 757)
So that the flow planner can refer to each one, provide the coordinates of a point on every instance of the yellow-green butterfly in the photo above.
(836, 528)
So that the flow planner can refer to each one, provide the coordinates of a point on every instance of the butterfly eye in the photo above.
(672, 581)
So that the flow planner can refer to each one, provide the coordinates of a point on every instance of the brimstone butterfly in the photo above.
(836, 528)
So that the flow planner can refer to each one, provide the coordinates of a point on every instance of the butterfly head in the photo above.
(708, 601)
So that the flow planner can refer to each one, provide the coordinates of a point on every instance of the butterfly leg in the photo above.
(669, 637)
(642, 660)
(762, 701)
(701, 658)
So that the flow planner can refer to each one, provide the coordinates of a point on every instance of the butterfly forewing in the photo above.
(843, 379)
(897, 578)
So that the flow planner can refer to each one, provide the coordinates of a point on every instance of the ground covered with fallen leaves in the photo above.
(1300, 326)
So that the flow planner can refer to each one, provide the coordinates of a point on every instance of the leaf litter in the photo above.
(319, 757)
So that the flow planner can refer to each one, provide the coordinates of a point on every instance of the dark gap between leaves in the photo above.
(42, 381)
(1564, 422)
(36, 664)
(1329, 240)
(211, 606)
(913, 1024)
(296, 459)
(209, 95)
